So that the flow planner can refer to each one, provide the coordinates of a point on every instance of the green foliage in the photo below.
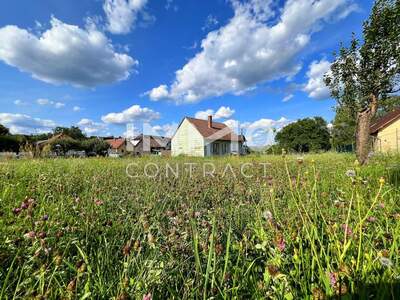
(295, 231)
(310, 134)
(73, 132)
(4, 130)
(371, 69)
(95, 145)
(66, 144)
(343, 130)
(11, 143)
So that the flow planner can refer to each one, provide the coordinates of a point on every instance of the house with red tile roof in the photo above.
(196, 137)
(117, 146)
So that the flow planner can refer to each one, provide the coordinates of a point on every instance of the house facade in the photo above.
(117, 147)
(202, 138)
(386, 133)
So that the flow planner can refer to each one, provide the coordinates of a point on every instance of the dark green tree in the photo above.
(343, 130)
(364, 74)
(310, 134)
(4, 130)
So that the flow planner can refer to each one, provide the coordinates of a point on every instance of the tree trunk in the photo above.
(363, 128)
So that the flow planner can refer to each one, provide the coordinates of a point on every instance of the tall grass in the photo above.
(304, 229)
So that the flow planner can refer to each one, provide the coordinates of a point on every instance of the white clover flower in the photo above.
(268, 215)
(386, 262)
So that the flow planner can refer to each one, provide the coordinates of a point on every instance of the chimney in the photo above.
(209, 121)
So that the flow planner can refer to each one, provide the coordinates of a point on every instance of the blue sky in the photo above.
(103, 64)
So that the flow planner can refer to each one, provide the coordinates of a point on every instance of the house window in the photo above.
(215, 148)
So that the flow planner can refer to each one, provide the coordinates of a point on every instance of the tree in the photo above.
(310, 134)
(4, 130)
(343, 129)
(364, 75)
(73, 132)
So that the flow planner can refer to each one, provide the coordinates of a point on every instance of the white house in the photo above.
(195, 137)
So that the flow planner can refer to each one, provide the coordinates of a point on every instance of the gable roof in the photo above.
(52, 139)
(116, 143)
(155, 141)
(215, 132)
(385, 121)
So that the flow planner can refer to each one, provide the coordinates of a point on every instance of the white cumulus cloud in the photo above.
(258, 133)
(122, 14)
(222, 113)
(91, 128)
(65, 54)
(24, 124)
(166, 130)
(76, 108)
(254, 47)
(43, 102)
(133, 114)
(315, 87)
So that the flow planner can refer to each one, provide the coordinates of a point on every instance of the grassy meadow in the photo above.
(315, 227)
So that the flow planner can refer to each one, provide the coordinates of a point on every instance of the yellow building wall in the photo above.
(388, 139)
(187, 141)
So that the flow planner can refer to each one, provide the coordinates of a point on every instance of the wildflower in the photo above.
(71, 285)
(150, 239)
(24, 205)
(332, 278)
(99, 202)
(371, 219)
(218, 249)
(280, 244)
(147, 297)
(338, 203)
(347, 230)
(136, 246)
(58, 260)
(127, 249)
(382, 181)
(386, 262)
(42, 235)
(17, 211)
(45, 217)
(351, 173)
(268, 215)
(30, 235)
(318, 294)
(382, 205)
(273, 270)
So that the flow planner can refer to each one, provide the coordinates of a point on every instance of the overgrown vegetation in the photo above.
(312, 227)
